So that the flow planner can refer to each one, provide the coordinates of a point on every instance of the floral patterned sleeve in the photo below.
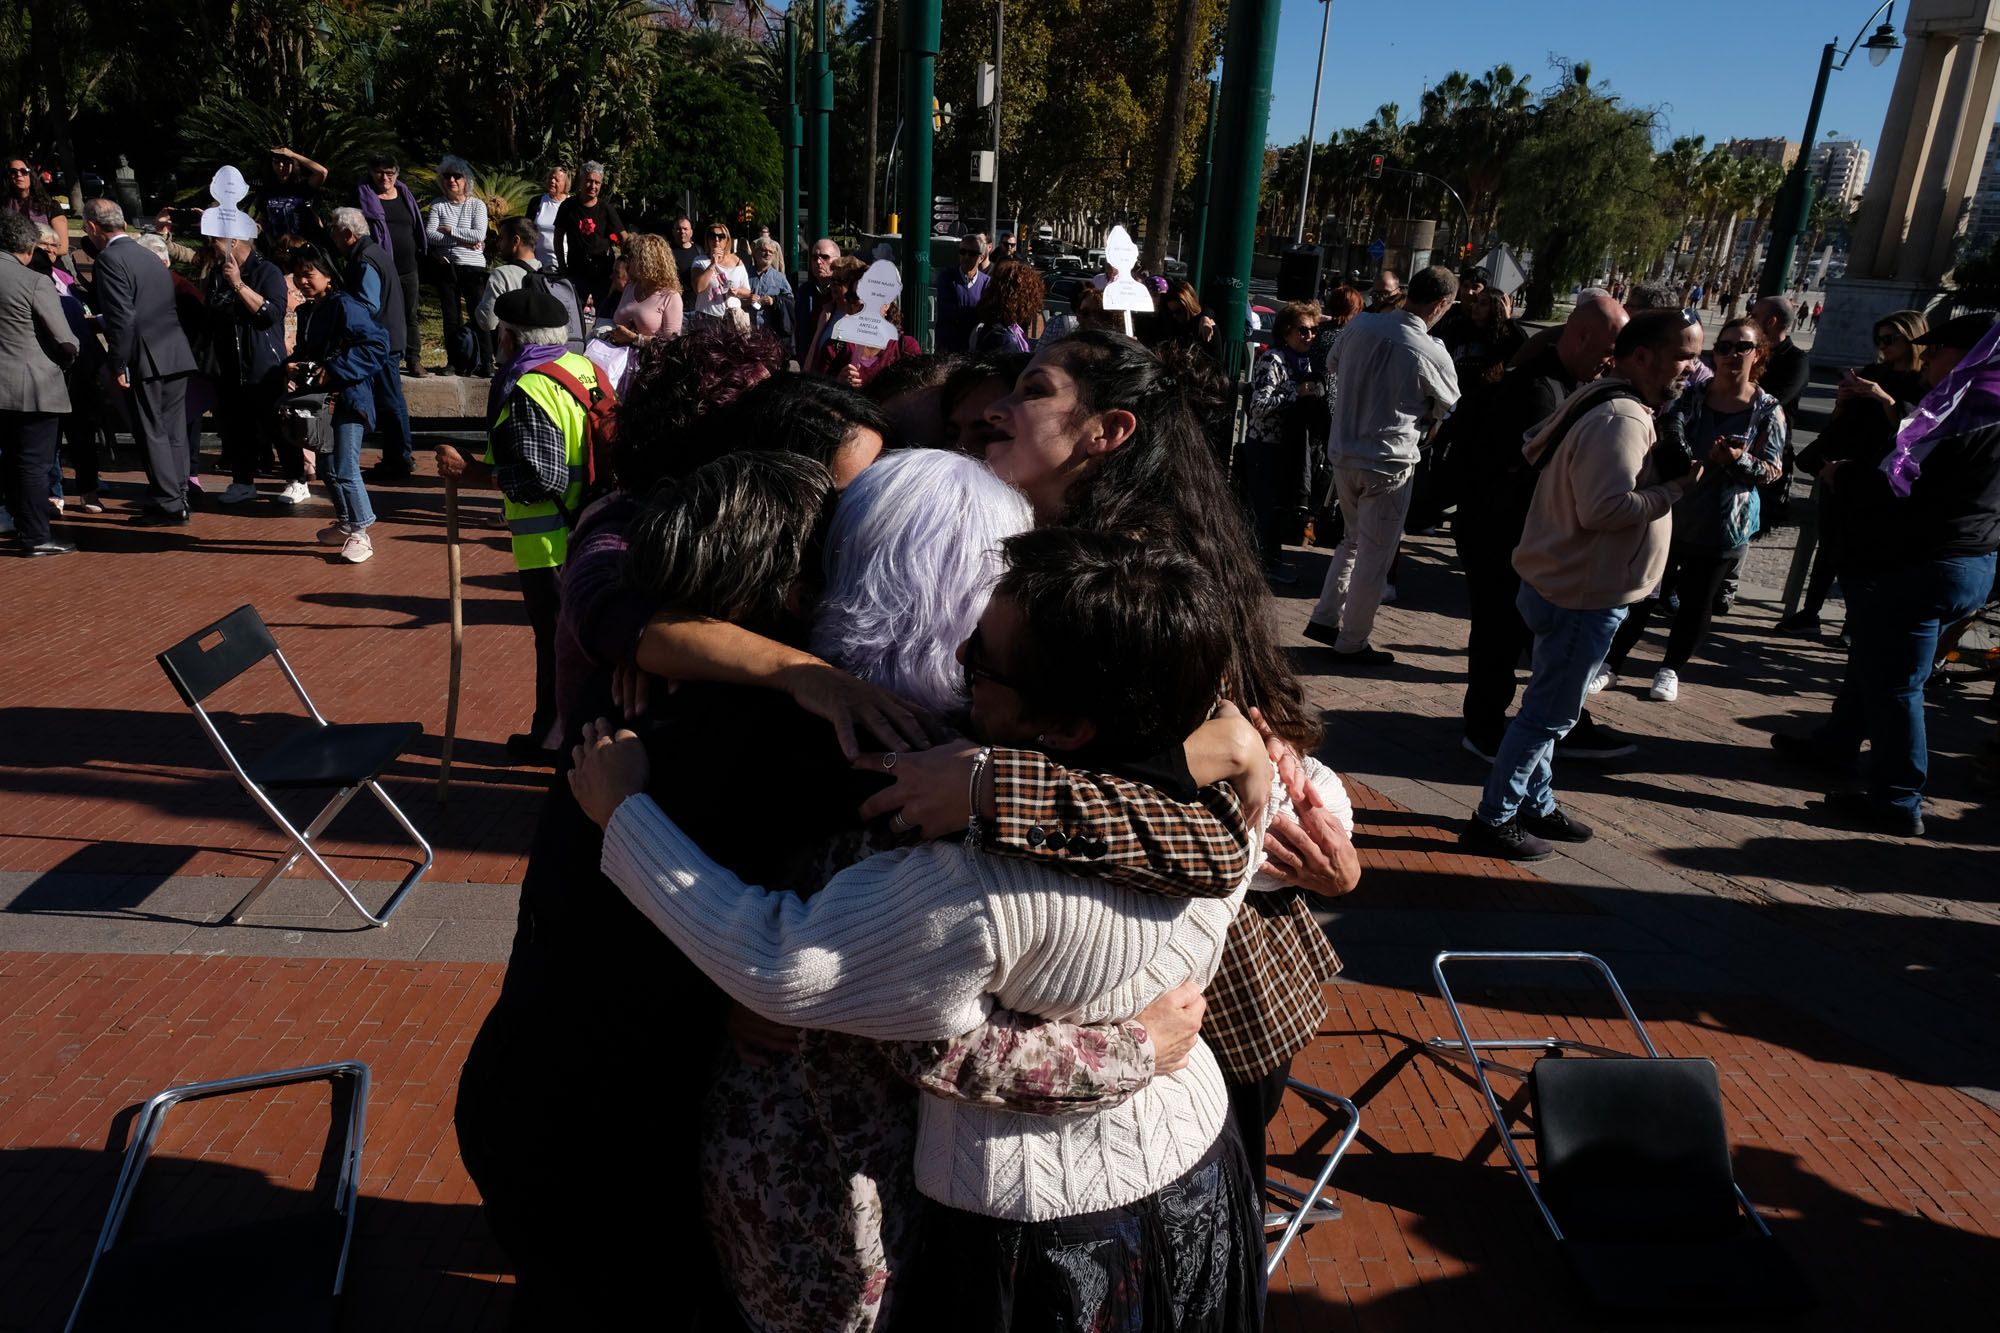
(1019, 1062)
(1113, 828)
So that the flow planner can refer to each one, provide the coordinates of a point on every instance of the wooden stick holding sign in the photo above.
(1124, 292)
(876, 291)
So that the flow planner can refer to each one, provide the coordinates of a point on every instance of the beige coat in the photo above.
(1598, 529)
(35, 341)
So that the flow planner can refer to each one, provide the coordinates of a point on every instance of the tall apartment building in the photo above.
(1839, 169)
(1983, 227)
(1782, 151)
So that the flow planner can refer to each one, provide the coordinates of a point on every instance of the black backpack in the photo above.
(563, 290)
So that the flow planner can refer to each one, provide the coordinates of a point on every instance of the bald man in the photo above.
(1495, 486)
(808, 289)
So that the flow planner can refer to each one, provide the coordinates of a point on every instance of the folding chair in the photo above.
(268, 1273)
(1632, 1173)
(348, 757)
(1310, 1208)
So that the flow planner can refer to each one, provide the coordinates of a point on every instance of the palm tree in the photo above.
(1760, 181)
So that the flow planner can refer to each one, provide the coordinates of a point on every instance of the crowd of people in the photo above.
(971, 857)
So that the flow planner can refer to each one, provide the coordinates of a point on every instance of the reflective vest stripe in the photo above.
(534, 523)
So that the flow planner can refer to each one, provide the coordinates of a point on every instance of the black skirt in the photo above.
(1188, 1258)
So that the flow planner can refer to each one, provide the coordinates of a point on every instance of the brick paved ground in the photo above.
(1843, 983)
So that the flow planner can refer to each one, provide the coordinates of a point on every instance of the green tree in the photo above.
(712, 141)
(1579, 185)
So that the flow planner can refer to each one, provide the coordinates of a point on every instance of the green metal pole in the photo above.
(919, 36)
(1788, 222)
(788, 210)
(822, 121)
(1249, 50)
(1198, 260)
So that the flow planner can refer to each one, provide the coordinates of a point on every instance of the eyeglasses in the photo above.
(454, 175)
(19, 171)
(718, 236)
(1734, 348)
(1888, 339)
(976, 668)
(823, 259)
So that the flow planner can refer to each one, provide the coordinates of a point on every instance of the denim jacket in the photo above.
(1721, 512)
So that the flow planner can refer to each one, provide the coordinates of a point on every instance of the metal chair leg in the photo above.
(1311, 1208)
(277, 872)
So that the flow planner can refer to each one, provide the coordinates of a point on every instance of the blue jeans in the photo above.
(1569, 647)
(343, 476)
(1893, 623)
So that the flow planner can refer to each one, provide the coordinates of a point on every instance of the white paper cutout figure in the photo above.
(226, 219)
(879, 286)
(1124, 292)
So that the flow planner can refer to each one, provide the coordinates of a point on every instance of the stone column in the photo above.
(1931, 205)
(1930, 58)
(1889, 151)
(1974, 133)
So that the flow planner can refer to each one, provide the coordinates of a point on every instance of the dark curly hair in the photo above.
(1165, 485)
(1014, 293)
(674, 383)
(795, 414)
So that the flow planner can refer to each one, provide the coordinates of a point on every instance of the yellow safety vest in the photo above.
(540, 531)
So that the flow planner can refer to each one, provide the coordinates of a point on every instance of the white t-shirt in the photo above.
(544, 215)
(715, 300)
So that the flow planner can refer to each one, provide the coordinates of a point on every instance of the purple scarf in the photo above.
(1967, 400)
(527, 359)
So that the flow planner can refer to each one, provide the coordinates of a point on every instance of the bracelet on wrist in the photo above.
(979, 762)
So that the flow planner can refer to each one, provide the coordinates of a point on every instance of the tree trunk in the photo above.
(874, 108)
(1173, 123)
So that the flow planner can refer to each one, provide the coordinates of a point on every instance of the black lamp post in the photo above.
(1788, 221)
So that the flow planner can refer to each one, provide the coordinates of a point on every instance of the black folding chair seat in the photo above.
(1632, 1156)
(349, 756)
(340, 754)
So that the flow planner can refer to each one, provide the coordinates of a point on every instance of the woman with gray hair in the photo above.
(770, 291)
(587, 226)
(455, 229)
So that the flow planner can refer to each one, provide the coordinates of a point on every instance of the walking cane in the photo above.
(457, 633)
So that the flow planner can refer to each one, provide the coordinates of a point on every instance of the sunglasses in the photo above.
(19, 171)
(1888, 339)
(976, 668)
(718, 236)
(454, 175)
(1733, 348)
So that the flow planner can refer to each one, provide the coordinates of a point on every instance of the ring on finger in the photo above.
(889, 759)
(899, 822)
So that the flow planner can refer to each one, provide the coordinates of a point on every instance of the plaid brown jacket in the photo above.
(1265, 1002)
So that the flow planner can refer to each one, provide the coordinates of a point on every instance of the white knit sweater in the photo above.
(919, 945)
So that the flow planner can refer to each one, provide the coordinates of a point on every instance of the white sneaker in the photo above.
(238, 492)
(1666, 686)
(294, 493)
(1601, 681)
(357, 548)
(333, 534)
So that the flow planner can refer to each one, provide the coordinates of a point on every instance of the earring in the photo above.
(1042, 739)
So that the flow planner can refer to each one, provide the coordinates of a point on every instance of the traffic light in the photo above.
(749, 213)
(1466, 249)
(1375, 167)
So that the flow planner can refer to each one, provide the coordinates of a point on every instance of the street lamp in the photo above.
(1312, 125)
(1788, 222)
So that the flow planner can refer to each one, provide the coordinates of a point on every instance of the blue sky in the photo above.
(1720, 68)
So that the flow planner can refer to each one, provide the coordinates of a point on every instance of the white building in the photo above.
(1839, 169)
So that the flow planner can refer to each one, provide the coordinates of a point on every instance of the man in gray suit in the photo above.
(35, 344)
(148, 354)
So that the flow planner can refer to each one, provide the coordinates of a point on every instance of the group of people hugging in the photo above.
(918, 929)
